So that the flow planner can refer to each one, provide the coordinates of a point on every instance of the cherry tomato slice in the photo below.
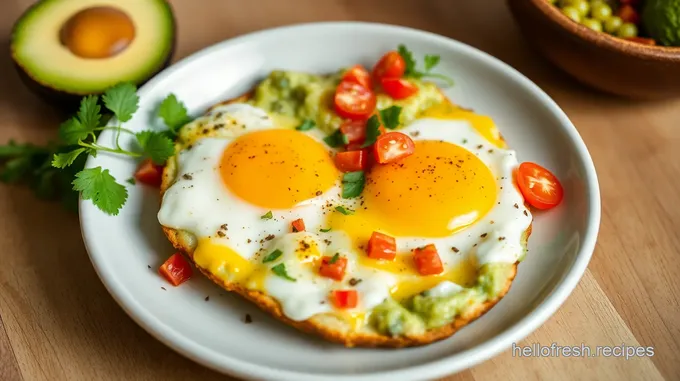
(381, 246)
(149, 173)
(354, 101)
(629, 14)
(398, 88)
(355, 130)
(540, 188)
(298, 225)
(358, 74)
(345, 298)
(392, 146)
(176, 269)
(351, 161)
(335, 270)
(391, 65)
(427, 260)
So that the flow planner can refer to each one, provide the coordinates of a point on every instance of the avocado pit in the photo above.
(97, 32)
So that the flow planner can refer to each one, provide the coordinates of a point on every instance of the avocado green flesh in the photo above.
(38, 53)
(309, 96)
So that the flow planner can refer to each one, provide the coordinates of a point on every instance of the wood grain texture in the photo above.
(57, 322)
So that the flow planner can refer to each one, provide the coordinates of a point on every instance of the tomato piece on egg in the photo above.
(298, 225)
(398, 88)
(345, 298)
(381, 246)
(392, 146)
(358, 74)
(149, 173)
(354, 101)
(391, 65)
(355, 130)
(176, 269)
(539, 186)
(629, 14)
(333, 267)
(427, 260)
(351, 161)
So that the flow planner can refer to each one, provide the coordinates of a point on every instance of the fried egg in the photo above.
(246, 176)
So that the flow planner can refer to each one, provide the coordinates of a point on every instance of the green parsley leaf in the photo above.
(334, 258)
(274, 255)
(280, 270)
(156, 145)
(173, 112)
(267, 216)
(99, 186)
(352, 184)
(308, 124)
(344, 211)
(122, 100)
(72, 131)
(336, 139)
(131, 181)
(372, 131)
(63, 160)
(408, 60)
(12, 149)
(431, 61)
(89, 114)
(390, 116)
(325, 230)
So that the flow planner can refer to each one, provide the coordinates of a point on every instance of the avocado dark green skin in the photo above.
(69, 102)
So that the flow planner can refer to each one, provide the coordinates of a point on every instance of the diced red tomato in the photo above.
(358, 74)
(391, 65)
(149, 173)
(345, 298)
(642, 40)
(539, 186)
(381, 246)
(629, 14)
(398, 88)
(354, 101)
(355, 130)
(427, 260)
(298, 225)
(392, 146)
(335, 270)
(176, 269)
(350, 161)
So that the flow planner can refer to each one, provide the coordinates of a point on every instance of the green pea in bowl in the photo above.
(596, 51)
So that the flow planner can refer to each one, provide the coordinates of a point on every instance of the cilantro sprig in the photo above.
(280, 270)
(57, 169)
(430, 61)
(352, 184)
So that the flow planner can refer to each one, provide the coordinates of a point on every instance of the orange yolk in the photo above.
(98, 32)
(482, 123)
(277, 169)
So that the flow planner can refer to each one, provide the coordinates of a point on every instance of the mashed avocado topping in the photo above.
(424, 311)
(304, 96)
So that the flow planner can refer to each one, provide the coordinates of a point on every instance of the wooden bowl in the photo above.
(597, 59)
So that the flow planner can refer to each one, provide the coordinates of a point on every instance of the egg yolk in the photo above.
(97, 32)
(277, 169)
(482, 123)
(440, 189)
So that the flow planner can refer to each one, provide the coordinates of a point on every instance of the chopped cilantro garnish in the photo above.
(325, 230)
(280, 270)
(372, 131)
(99, 186)
(334, 258)
(131, 181)
(390, 117)
(352, 184)
(344, 211)
(431, 61)
(173, 112)
(336, 139)
(267, 216)
(308, 124)
(274, 255)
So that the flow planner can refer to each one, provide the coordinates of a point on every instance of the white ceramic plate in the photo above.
(213, 333)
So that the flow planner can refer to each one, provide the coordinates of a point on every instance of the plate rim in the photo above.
(432, 369)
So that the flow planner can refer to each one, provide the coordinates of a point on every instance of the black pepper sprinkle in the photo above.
(163, 288)
(187, 177)
(475, 245)
(491, 222)
(205, 131)
(501, 238)
(483, 235)
(318, 193)
(248, 319)
(249, 240)
(220, 233)
(207, 298)
(269, 237)
(148, 266)
(516, 206)
(480, 146)
(455, 249)
(224, 227)
(354, 281)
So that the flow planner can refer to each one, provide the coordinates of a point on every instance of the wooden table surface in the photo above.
(57, 322)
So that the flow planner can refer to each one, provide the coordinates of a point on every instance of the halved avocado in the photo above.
(65, 49)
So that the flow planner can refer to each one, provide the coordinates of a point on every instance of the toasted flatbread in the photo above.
(329, 326)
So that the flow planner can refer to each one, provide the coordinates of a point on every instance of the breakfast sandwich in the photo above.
(364, 208)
